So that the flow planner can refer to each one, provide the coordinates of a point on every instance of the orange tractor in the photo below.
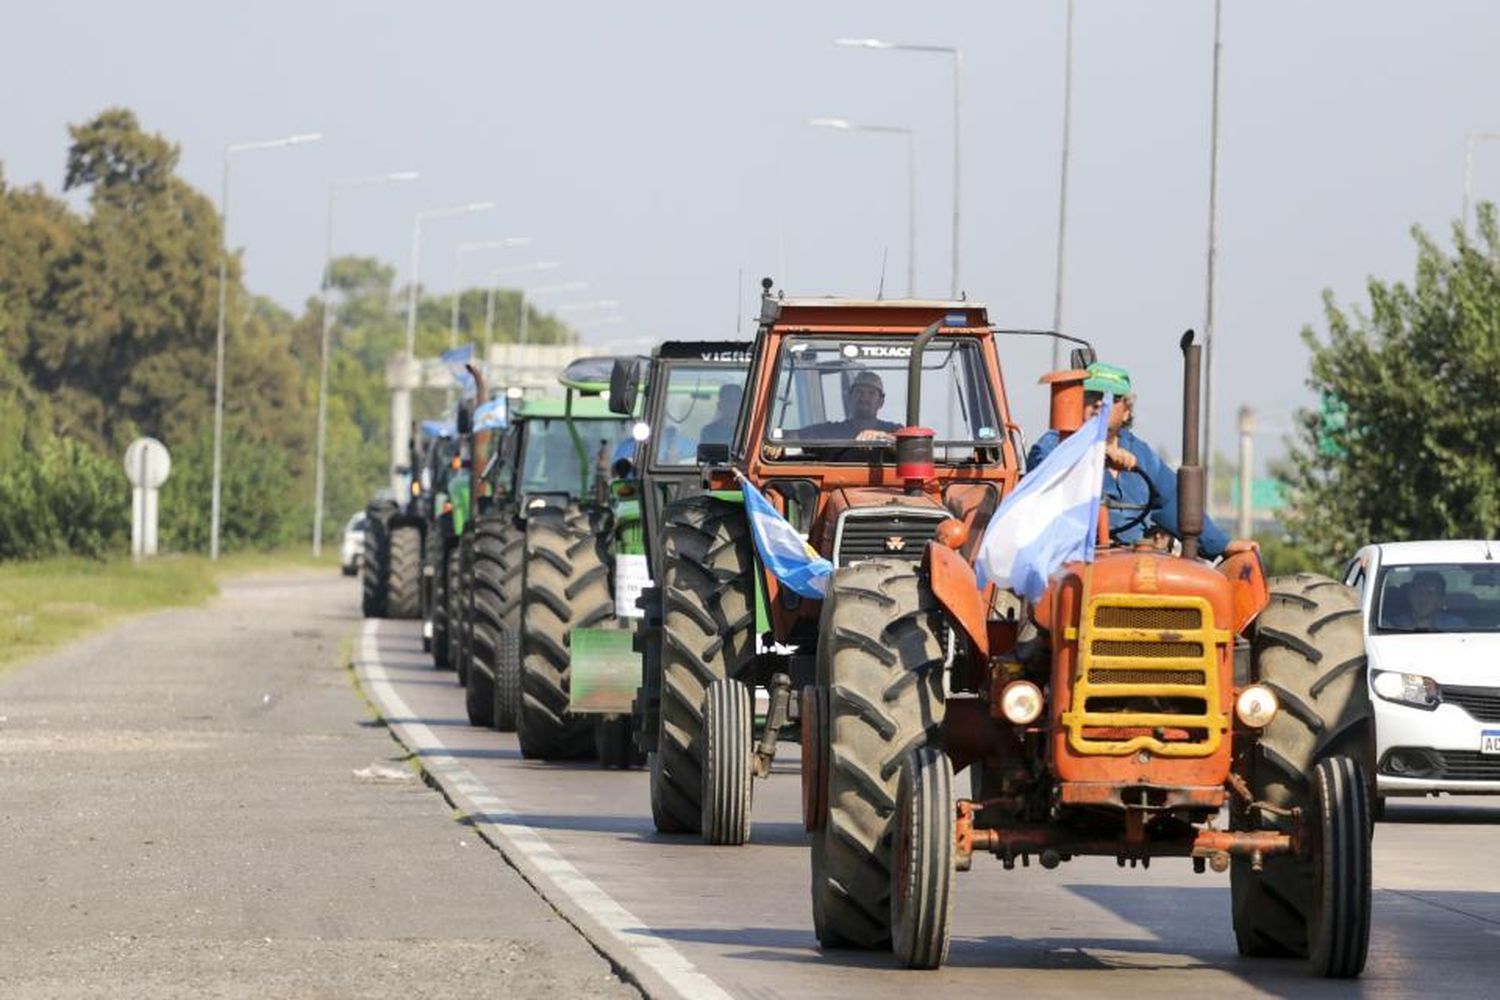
(1141, 698)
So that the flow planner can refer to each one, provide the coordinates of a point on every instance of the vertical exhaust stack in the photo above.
(1190, 496)
(914, 454)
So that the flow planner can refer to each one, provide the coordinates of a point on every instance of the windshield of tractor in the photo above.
(551, 462)
(852, 393)
(1438, 597)
(700, 406)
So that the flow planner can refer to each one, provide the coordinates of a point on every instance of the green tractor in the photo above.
(541, 562)
(391, 575)
(443, 475)
(693, 394)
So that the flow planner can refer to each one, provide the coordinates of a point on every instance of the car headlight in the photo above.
(1407, 689)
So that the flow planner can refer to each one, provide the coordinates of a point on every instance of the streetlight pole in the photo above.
(958, 66)
(1470, 141)
(1062, 197)
(489, 298)
(1210, 323)
(458, 273)
(405, 368)
(229, 151)
(526, 296)
(844, 125)
(327, 310)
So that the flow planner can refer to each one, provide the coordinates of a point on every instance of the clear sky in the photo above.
(656, 149)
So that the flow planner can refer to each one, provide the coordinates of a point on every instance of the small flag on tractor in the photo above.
(785, 553)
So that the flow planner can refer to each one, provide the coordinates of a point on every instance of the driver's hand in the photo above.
(1238, 545)
(875, 434)
(1119, 457)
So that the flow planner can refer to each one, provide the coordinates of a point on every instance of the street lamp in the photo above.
(489, 299)
(567, 286)
(844, 125)
(333, 187)
(1062, 195)
(405, 372)
(229, 151)
(1210, 320)
(458, 273)
(958, 64)
(1470, 141)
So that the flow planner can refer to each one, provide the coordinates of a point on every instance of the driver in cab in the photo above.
(1132, 469)
(862, 402)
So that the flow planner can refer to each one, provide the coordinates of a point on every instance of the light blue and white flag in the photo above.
(490, 415)
(456, 359)
(1052, 517)
(785, 553)
(439, 428)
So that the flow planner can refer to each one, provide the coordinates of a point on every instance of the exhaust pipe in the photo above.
(1190, 496)
(914, 453)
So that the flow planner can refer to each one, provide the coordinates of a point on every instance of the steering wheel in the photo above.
(1143, 510)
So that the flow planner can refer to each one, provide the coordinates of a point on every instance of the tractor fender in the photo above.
(958, 593)
(1249, 593)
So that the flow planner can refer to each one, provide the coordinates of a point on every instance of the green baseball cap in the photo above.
(1107, 378)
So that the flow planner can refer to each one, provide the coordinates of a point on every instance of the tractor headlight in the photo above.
(1256, 706)
(1021, 702)
(1407, 689)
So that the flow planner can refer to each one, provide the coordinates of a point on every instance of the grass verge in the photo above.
(47, 603)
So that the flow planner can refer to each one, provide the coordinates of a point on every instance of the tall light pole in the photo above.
(229, 151)
(1062, 196)
(844, 125)
(526, 296)
(404, 371)
(1474, 137)
(489, 298)
(327, 310)
(458, 273)
(958, 67)
(1210, 321)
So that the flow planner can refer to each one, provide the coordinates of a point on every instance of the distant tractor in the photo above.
(445, 476)
(1117, 716)
(391, 570)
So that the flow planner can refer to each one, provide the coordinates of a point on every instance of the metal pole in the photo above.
(521, 337)
(1247, 431)
(1210, 325)
(911, 214)
(958, 65)
(489, 320)
(317, 539)
(213, 530)
(458, 285)
(1463, 219)
(1062, 197)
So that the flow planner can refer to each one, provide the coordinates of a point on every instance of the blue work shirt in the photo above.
(1127, 487)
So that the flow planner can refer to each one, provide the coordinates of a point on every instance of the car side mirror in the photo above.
(713, 453)
(624, 384)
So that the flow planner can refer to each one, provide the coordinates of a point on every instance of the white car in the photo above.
(1432, 635)
(352, 552)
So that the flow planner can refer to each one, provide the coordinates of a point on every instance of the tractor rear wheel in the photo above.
(707, 633)
(728, 731)
(880, 660)
(403, 585)
(375, 570)
(922, 860)
(1308, 647)
(440, 621)
(494, 609)
(565, 587)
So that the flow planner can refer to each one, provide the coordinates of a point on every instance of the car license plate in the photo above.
(1489, 742)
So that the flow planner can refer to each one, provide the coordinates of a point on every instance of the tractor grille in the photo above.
(1482, 703)
(1147, 678)
(883, 533)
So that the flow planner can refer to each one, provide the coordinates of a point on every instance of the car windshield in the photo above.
(700, 407)
(551, 463)
(851, 392)
(1438, 597)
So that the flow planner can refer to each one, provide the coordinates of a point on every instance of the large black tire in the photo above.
(495, 612)
(922, 860)
(614, 743)
(441, 658)
(707, 633)
(1307, 646)
(375, 572)
(1339, 924)
(565, 587)
(880, 660)
(728, 732)
(456, 591)
(403, 593)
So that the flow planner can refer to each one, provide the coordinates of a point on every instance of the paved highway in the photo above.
(687, 919)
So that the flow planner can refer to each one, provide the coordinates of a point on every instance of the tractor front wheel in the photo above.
(922, 860)
(494, 613)
(441, 624)
(728, 730)
(375, 568)
(404, 582)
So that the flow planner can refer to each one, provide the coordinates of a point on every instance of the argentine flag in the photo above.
(455, 360)
(1052, 517)
(784, 552)
(490, 415)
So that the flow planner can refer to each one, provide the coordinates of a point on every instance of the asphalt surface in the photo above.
(201, 804)
(691, 920)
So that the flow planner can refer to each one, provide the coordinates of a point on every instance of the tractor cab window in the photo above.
(843, 399)
(700, 406)
(552, 463)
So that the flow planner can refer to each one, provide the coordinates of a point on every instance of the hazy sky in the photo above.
(657, 148)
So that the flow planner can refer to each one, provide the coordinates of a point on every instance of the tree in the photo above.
(1415, 387)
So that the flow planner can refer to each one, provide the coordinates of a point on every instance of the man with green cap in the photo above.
(1130, 464)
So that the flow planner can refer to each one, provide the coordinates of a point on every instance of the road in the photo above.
(697, 921)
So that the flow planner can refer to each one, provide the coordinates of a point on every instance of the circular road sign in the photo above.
(147, 463)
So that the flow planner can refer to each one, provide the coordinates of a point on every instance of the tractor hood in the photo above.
(902, 522)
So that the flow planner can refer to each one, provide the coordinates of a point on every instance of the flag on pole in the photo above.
(785, 553)
(1052, 517)
(491, 415)
(456, 359)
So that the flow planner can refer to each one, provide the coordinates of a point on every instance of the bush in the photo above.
(61, 497)
(259, 497)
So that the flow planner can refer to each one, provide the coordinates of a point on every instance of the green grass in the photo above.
(47, 603)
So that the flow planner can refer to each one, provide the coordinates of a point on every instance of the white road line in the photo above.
(614, 929)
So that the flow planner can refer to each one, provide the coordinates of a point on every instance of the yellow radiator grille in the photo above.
(1147, 678)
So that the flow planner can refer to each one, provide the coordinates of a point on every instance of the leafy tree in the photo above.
(1416, 381)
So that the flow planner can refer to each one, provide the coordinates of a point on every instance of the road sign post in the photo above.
(147, 465)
